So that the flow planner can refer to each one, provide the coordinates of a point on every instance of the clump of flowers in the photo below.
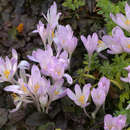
(45, 84)
(36, 87)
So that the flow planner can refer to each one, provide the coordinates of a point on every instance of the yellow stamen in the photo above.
(59, 73)
(52, 34)
(14, 95)
(24, 88)
(128, 46)
(81, 99)
(127, 22)
(36, 87)
(63, 41)
(56, 92)
(100, 42)
(6, 73)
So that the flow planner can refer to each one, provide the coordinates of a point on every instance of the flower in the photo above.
(57, 90)
(44, 58)
(104, 84)
(43, 32)
(33, 90)
(64, 39)
(8, 67)
(90, 43)
(80, 97)
(114, 123)
(53, 66)
(52, 16)
(37, 85)
(114, 42)
(125, 42)
(20, 89)
(98, 96)
(121, 20)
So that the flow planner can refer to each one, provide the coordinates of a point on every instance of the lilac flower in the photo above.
(98, 96)
(56, 69)
(127, 79)
(121, 20)
(39, 55)
(8, 67)
(20, 94)
(64, 39)
(37, 85)
(114, 123)
(34, 90)
(52, 16)
(90, 43)
(57, 90)
(125, 42)
(104, 84)
(42, 32)
(20, 89)
(114, 42)
(51, 65)
(81, 96)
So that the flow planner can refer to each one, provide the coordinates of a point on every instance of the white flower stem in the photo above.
(95, 112)
(86, 113)
(47, 106)
(89, 63)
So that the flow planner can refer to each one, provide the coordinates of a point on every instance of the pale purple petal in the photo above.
(69, 78)
(71, 95)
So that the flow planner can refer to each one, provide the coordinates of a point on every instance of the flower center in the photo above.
(63, 41)
(52, 34)
(100, 42)
(127, 22)
(128, 46)
(14, 95)
(24, 88)
(81, 99)
(56, 92)
(6, 73)
(36, 87)
(58, 73)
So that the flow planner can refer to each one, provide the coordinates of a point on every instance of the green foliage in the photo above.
(82, 74)
(124, 112)
(94, 62)
(124, 96)
(115, 69)
(108, 7)
(73, 4)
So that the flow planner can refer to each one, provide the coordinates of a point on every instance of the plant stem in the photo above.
(47, 107)
(86, 113)
(89, 63)
(95, 112)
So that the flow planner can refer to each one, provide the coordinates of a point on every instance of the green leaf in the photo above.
(116, 84)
